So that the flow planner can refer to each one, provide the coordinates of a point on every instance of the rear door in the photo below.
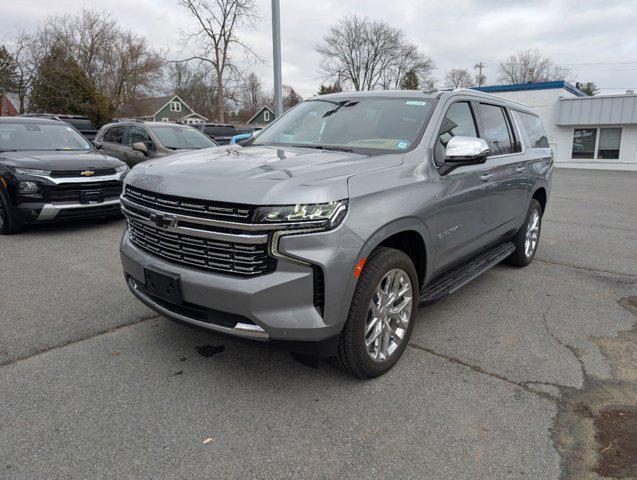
(508, 166)
(113, 142)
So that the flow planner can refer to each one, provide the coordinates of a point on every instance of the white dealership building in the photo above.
(594, 131)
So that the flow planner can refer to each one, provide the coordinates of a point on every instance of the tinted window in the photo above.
(41, 136)
(497, 131)
(115, 134)
(458, 121)
(220, 131)
(139, 134)
(358, 122)
(534, 130)
(609, 141)
(80, 123)
(584, 142)
(178, 137)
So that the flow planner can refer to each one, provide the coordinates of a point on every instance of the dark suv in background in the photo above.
(49, 172)
(134, 141)
(220, 133)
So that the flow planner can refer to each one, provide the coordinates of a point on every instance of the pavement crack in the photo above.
(627, 278)
(570, 348)
(478, 369)
(78, 340)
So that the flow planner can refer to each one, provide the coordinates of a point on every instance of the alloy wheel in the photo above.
(388, 315)
(532, 233)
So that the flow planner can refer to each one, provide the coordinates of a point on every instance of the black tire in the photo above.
(352, 355)
(8, 223)
(519, 257)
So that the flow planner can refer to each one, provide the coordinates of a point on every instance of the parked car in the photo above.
(49, 172)
(135, 141)
(328, 229)
(81, 123)
(221, 134)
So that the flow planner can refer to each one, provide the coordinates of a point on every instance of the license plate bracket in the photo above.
(91, 197)
(163, 284)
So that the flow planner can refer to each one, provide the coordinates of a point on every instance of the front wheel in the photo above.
(381, 316)
(8, 224)
(526, 240)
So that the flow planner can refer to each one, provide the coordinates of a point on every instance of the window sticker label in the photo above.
(419, 103)
(402, 144)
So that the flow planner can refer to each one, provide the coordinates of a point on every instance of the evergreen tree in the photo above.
(61, 86)
(8, 80)
(589, 88)
(410, 81)
(325, 89)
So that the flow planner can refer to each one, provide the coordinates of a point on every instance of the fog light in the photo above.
(28, 187)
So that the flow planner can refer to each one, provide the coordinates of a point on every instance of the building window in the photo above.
(165, 119)
(175, 106)
(609, 140)
(266, 115)
(584, 142)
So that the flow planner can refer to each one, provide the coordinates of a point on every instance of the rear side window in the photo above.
(115, 134)
(534, 130)
(458, 121)
(497, 130)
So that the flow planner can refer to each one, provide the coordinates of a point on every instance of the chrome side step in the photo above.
(460, 276)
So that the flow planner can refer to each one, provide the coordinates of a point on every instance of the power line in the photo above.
(602, 63)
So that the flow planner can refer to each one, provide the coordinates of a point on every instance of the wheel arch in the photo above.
(408, 235)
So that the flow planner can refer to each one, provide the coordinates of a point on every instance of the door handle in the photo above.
(485, 177)
(520, 169)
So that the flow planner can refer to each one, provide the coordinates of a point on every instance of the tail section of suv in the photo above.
(327, 230)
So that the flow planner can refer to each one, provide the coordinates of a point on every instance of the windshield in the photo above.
(358, 123)
(41, 136)
(177, 137)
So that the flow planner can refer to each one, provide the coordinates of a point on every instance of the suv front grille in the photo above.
(78, 173)
(189, 206)
(71, 192)
(223, 257)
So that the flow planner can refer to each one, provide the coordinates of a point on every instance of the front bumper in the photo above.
(273, 308)
(47, 212)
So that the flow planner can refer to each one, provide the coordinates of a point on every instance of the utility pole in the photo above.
(276, 47)
(480, 77)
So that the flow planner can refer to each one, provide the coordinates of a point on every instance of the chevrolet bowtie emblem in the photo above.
(87, 173)
(163, 221)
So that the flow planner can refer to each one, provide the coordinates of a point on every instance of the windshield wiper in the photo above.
(324, 147)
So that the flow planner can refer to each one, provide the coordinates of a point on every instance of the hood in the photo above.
(59, 161)
(257, 175)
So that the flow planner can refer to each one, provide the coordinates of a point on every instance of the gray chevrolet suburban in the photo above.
(325, 232)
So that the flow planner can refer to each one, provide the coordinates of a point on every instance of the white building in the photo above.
(599, 130)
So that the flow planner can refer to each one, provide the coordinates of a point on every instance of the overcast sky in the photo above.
(596, 39)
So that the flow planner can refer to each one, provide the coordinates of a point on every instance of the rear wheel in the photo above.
(528, 237)
(381, 316)
(8, 223)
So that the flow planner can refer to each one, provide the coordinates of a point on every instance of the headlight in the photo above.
(122, 168)
(31, 171)
(329, 214)
(28, 188)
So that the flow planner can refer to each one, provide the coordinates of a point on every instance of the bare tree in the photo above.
(252, 93)
(21, 49)
(216, 37)
(529, 66)
(458, 78)
(369, 54)
(290, 97)
(196, 84)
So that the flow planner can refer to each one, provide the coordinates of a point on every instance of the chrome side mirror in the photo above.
(466, 151)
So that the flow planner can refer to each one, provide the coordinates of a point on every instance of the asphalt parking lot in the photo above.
(521, 374)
